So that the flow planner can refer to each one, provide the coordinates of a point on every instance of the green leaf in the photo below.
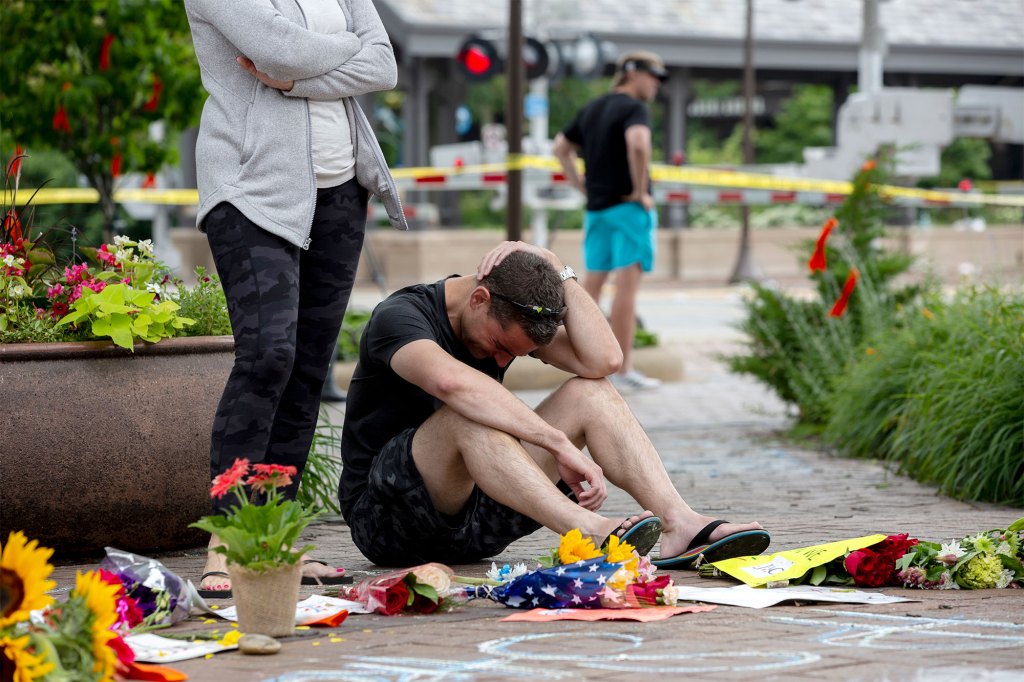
(818, 575)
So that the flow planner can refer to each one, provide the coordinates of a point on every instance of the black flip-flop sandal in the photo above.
(643, 534)
(743, 543)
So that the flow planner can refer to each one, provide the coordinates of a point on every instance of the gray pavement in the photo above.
(720, 438)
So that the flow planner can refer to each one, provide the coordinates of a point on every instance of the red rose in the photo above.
(395, 599)
(895, 546)
(421, 604)
(869, 569)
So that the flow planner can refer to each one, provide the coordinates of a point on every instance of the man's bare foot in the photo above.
(216, 563)
(677, 537)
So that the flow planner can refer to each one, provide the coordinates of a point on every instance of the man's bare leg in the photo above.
(453, 454)
(623, 312)
(592, 413)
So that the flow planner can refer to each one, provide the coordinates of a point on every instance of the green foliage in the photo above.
(206, 305)
(319, 487)
(125, 315)
(351, 331)
(795, 345)
(55, 61)
(965, 158)
(805, 120)
(943, 397)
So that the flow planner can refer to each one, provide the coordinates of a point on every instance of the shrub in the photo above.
(943, 397)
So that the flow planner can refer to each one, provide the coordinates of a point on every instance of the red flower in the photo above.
(125, 655)
(14, 168)
(395, 599)
(229, 479)
(60, 120)
(817, 261)
(647, 593)
(111, 579)
(115, 165)
(154, 98)
(269, 476)
(851, 282)
(869, 165)
(421, 604)
(150, 181)
(105, 52)
(12, 225)
(895, 546)
(868, 569)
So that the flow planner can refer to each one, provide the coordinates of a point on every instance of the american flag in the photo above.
(580, 585)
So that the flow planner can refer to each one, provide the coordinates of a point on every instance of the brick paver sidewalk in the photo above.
(719, 437)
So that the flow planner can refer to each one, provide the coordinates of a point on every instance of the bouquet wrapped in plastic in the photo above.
(421, 589)
(151, 595)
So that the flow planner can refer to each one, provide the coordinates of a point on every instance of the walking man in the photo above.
(613, 136)
(442, 463)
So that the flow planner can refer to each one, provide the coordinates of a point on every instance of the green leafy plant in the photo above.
(206, 305)
(798, 346)
(258, 536)
(942, 398)
(125, 315)
(351, 331)
(319, 487)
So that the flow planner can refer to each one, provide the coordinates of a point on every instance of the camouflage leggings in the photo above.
(286, 307)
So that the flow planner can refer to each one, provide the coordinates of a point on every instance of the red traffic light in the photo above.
(478, 59)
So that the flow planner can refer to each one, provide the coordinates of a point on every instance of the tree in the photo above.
(87, 78)
(805, 120)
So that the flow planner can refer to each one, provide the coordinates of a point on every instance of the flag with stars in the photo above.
(583, 585)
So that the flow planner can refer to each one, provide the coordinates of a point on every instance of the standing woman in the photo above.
(285, 161)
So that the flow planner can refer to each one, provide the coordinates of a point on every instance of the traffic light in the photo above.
(478, 59)
(585, 57)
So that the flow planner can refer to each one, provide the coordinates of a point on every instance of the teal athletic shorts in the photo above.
(618, 237)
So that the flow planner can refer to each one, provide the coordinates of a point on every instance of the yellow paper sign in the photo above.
(792, 563)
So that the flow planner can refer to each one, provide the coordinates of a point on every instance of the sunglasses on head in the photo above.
(534, 311)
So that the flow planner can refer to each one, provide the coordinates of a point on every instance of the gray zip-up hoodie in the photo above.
(254, 148)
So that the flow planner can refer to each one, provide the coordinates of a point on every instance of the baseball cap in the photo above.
(642, 61)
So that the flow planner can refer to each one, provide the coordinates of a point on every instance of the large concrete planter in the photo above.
(99, 446)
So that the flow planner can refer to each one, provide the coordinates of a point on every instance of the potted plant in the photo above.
(107, 399)
(259, 543)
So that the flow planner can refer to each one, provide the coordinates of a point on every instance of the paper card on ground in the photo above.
(309, 610)
(150, 648)
(791, 563)
(643, 614)
(745, 595)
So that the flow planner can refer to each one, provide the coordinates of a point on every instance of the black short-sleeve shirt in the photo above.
(380, 404)
(600, 129)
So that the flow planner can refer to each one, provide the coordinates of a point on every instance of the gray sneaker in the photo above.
(633, 381)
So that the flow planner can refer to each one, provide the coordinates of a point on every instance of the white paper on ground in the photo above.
(308, 610)
(759, 598)
(150, 648)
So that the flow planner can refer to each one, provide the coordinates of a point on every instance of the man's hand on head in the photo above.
(498, 253)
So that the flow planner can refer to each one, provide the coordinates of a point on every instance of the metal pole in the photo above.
(745, 270)
(514, 118)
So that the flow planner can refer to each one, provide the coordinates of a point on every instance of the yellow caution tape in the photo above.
(660, 173)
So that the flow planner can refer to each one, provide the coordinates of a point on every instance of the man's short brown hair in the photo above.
(528, 280)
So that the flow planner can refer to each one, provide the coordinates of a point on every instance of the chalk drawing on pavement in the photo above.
(530, 657)
(883, 631)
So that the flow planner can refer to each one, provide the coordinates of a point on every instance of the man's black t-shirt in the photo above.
(600, 129)
(381, 404)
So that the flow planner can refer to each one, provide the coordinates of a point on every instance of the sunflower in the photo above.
(24, 570)
(622, 552)
(27, 666)
(101, 600)
(574, 547)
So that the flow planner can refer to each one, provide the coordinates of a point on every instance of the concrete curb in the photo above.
(660, 362)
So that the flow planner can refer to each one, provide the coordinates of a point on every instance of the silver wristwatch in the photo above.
(568, 273)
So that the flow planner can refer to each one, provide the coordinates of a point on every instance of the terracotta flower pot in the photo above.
(99, 446)
(266, 601)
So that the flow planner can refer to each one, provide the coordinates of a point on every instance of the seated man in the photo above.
(442, 463)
